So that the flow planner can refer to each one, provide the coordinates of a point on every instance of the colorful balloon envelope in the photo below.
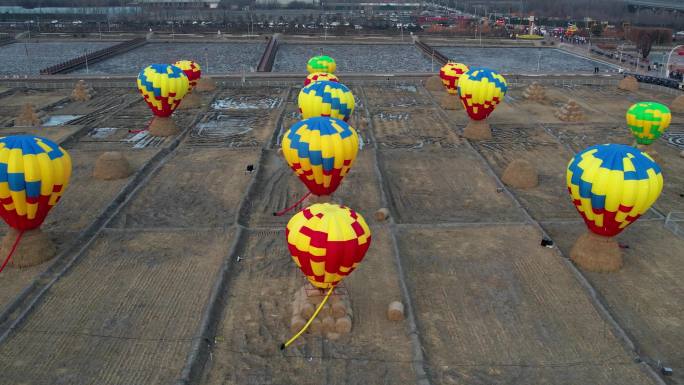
(321, 151)
(318, 76)
(327, 242)
(163, 86)
(192, 70)
(612, 185)
(326, 98)
(34, 172)
(648, 121)
(450, 73)
(321, 64)
(481, 90)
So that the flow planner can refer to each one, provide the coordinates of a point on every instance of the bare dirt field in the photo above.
(180, 272)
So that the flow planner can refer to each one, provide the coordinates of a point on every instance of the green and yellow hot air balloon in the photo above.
(648, 120)
(321, 64)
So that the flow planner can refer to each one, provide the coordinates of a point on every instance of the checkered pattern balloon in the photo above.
(612, 185)
(163, 86)
(321, 151)
(192, 70)
(481, 90)
(318, 76)
(450, 73)
(321, 64)
(326, 98)
(327, 242)
(34, 172)
(647, 121)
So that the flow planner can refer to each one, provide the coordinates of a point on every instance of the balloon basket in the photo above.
(190, 101)
(313, 199)
(163, 127)
(450, 102)
(597, 253)
(335, 318)
(34, 248)
(205, 84)
(651, 151)
(477, 130)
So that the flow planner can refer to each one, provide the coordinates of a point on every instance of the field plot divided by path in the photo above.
(126, 314)
(495, 308)
(647, 295)
(30, 58)
(256, 322)
(212, 57)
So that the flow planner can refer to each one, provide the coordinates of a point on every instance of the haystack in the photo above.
(205, 84)
(111, 165)
(34, 248)
(677, 104)
(570, 112)
(434, 83)
(82, 92)
(313, 199)
(450, 102)
(651, 151)
(163, 127)
(596, 253)
(477, 130)
(535, 92)
(334, 319)
(520, 174)
(28, 116)
(629, 83)
(382, 214)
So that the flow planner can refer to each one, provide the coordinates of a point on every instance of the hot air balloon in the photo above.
(321, 64)
(163, 86)
(321, 151)
(612, 185)
(326, 98)
(318, 76)
(34, 173)
(192, 70)
(480, 90)
(327, 242)
(450, 73)
(648, 121)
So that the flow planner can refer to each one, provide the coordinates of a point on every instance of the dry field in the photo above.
(180, 272)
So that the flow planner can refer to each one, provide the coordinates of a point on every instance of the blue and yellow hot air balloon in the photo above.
(163, 86)
(321, 63)
(326, 98)
(481, 90)
(648, 121)
(321, 151)
(34, 172)
(612, 185)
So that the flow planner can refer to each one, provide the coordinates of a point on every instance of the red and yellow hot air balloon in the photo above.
(327, 242)
(34, 173)
(450, 73)
(192, 70)
(320, 76)
(481, 90)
